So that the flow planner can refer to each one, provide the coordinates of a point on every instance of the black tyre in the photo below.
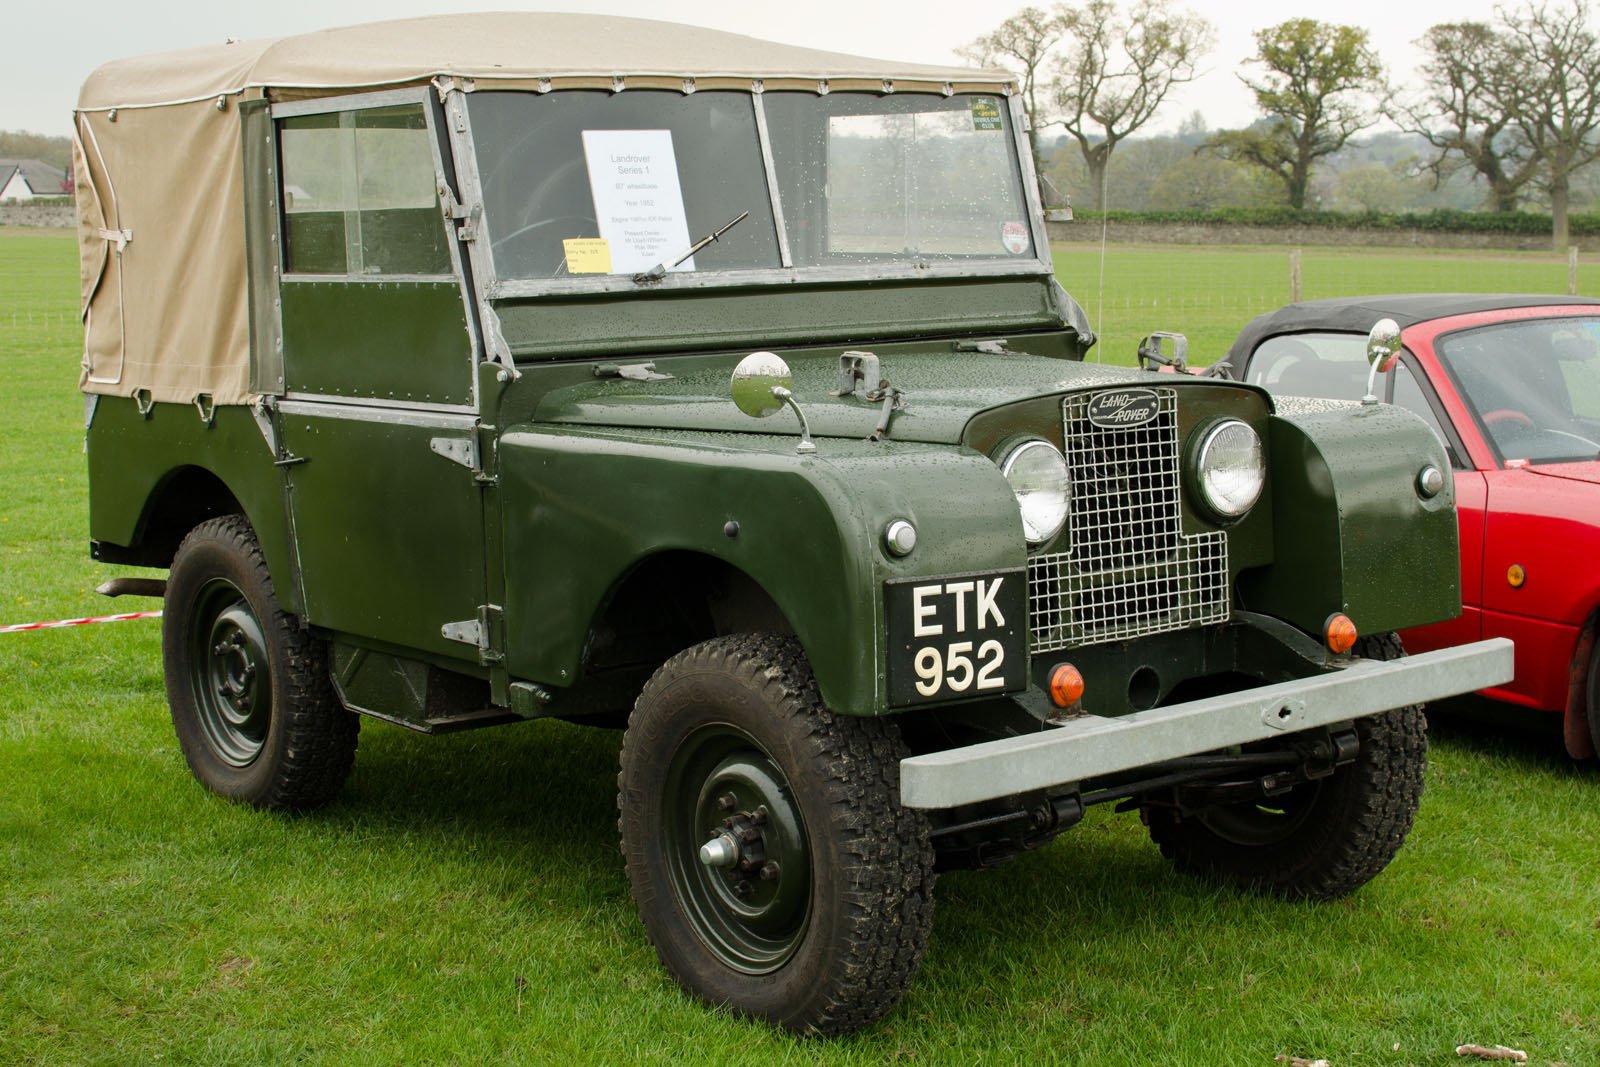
(251, 699)
(1324, 838)
(815, 910)
(1592, 694)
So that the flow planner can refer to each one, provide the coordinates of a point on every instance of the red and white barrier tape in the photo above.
(57, 624)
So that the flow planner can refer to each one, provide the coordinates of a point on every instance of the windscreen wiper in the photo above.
(659, 271)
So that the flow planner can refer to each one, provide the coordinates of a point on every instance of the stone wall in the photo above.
(34, 213)
(1085, 230)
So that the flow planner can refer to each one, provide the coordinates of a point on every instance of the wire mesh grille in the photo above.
(1128, 569)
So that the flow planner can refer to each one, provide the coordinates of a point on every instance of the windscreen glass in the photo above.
(914, 177)
(578, 182)
(1534, 386)
(584, 182)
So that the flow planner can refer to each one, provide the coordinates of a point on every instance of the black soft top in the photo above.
(1356, 314)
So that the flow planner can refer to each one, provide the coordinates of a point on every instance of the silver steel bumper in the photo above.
(1097, 745)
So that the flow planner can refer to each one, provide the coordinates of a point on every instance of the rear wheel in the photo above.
(1325, 837)
(252, 703)
(773, 866)
(1592, 695)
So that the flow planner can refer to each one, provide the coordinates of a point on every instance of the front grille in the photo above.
(1127, 568)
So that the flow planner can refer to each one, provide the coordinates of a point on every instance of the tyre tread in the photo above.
(1375, 801)
(321, 735)
(890, 899)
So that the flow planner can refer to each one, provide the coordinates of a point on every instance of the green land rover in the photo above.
(431, 358)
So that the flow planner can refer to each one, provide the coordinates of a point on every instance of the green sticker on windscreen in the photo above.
(986, 113)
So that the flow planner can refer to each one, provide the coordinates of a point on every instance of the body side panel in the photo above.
(131, 457)
(583, 508)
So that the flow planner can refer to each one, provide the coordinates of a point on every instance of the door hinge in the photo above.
(478, 632)
(462, 451)
(459, 450)
(455, 211)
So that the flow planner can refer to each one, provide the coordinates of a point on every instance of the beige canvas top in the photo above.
(160, 197)
(502, 46)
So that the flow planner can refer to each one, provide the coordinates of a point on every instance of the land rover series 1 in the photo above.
(472, 369)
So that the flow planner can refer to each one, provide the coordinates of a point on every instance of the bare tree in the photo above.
(1116, 72)
(1096, 73)
(1316, 93)
(1022, 44)
(1554, 99)
(1463, 113)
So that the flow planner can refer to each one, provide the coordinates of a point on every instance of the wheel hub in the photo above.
(228, 667)
(739, 848)
(738, 851)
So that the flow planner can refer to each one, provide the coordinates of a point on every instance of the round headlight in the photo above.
(1038, 475)
(1230, 469)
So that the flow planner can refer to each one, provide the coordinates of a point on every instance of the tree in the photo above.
(1116, 73)
(1202, 183)
(20, 144)
(1471, 81)
(1314, 93)
(1022, 44)
(1097, 74)
(1373, 187)
(1554, 97)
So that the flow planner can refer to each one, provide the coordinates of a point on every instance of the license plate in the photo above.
(956, 636)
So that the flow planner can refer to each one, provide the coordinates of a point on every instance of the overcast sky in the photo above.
(46, 51)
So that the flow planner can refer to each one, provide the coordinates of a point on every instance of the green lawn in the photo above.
(464, 901)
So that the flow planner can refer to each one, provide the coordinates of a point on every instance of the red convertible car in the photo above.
(1511, 384)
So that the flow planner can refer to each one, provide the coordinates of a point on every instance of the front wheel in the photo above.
(1324, 838)
(771, 861)
(251, 699)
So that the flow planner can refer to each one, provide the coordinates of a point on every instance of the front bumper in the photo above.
(1096, 745)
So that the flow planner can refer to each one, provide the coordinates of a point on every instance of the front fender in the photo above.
(1353, 533)
(582, 507)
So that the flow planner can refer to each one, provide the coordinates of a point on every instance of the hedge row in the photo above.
(1512, 222)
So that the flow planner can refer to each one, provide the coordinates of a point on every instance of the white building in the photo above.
(26, 179)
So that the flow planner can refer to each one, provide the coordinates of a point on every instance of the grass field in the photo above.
(463, 902)
(1208, 295)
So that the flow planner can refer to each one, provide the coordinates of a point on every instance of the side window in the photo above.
(359, 194)
(1409, 395)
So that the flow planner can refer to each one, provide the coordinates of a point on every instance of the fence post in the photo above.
(1294, 276)
(1572, 270)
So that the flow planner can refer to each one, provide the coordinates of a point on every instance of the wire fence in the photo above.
(1209, 292)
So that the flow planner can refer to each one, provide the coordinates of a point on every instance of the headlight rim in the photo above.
(1204, 439)
(1006, 457)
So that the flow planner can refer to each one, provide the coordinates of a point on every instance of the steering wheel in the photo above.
(1507, 417)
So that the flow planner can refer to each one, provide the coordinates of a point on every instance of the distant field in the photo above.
(463, 902)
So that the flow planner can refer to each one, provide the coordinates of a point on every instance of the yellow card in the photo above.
(587, 255)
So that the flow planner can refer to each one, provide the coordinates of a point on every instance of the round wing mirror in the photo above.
(757, 381)
(1383, 345)
(1383, 349)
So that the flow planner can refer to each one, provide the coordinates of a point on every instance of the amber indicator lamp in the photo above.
(1066, 685)
(1340, 633)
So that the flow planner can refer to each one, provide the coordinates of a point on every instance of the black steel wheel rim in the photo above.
(1270, 821)
(229, 674)
(752, 915)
